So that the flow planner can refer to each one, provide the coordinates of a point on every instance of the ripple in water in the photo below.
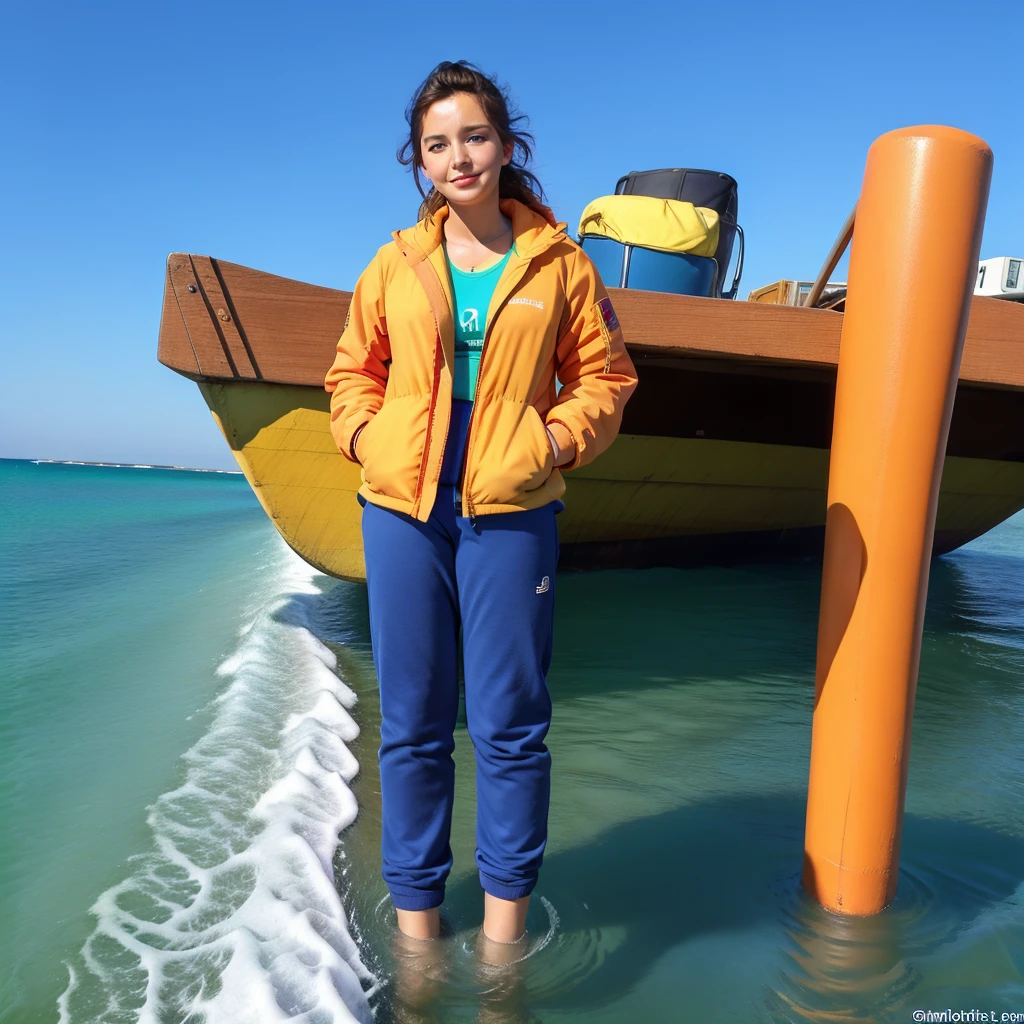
(474, 979)
(878, 967)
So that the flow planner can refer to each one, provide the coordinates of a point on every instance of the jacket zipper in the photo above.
(467, 501)
(468, 507)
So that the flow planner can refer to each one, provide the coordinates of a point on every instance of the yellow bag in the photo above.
(667, 225)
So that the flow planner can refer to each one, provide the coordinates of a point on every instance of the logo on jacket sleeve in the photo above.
(608, 314)
(545, 585)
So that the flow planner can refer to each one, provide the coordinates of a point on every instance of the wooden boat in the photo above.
(723, 451)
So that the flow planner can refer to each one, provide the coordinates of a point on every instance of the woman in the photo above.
(444, 392)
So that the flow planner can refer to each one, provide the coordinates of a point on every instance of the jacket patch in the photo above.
(606, 335)
(608, 314)
(525, 302)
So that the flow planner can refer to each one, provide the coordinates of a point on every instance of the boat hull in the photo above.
(649, 500)
(723, 450)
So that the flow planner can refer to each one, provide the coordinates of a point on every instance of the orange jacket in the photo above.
(550, 313)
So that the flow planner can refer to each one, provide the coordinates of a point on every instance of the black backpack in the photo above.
(712, 189)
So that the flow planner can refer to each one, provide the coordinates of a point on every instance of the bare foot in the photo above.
(420, 971)
(503, 1000)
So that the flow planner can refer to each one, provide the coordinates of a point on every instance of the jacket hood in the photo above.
(533, 232)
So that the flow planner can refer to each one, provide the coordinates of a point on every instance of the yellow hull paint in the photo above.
(642, 488)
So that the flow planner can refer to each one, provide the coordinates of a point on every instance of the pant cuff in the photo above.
(504, 891)
(422, 901)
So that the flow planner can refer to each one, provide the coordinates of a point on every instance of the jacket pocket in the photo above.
(511, 454)
(391, 445)
(547, 457)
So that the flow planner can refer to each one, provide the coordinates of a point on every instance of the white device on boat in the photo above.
(1001, 277)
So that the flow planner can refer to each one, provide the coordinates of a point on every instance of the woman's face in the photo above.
(457, 142)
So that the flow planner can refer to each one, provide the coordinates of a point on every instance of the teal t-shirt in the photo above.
(472, 291)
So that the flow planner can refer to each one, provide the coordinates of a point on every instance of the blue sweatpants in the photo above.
(496, 578)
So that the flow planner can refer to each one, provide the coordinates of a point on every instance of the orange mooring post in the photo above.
(913, 262)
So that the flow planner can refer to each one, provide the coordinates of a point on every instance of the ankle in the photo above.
(504, 920)
(420, 924)
(504, 941)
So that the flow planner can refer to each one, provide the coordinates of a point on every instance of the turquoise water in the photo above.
(185, 707)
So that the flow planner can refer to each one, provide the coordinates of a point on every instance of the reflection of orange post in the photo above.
(912, 267)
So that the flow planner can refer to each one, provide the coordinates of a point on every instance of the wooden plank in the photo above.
(292, 329)
(687, 325)
(224, 318)
(175, 349)
(210, 356)
(657, 322)
(994, 349)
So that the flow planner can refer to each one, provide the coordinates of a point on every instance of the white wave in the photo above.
(234, 915)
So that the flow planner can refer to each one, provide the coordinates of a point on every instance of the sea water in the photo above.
(174, 758)
(191, 807)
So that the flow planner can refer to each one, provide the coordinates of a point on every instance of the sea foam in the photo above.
(235, 914)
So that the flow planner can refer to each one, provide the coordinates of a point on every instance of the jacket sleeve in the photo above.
(359, 375)
(593, 366)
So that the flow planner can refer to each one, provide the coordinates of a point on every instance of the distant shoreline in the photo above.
(127, 465)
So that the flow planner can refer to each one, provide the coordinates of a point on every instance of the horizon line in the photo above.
(121, 465)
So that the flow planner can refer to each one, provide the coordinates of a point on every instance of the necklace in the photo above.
(486, 241)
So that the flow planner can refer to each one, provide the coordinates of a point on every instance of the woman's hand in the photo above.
(562, 455)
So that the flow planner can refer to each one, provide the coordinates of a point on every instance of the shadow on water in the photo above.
(645, 890)
(696, 912)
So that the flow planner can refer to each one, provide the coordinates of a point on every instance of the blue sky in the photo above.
(265, 134)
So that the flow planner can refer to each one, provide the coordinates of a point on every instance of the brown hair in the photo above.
(450, 77)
